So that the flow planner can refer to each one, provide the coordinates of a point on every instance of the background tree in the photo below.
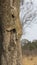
(29, 19)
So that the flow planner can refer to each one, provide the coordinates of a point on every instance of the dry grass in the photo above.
(30, 60)
(30, 57)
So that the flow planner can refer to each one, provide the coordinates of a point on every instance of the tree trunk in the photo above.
(11, 32)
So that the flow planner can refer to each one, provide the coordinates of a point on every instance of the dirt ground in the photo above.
(30, 60)
(29, 57)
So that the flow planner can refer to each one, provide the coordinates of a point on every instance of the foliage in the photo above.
(30, 46)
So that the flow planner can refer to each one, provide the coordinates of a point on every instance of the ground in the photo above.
(29, 57)
(29, 60)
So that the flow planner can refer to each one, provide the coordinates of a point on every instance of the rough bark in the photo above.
(11, 32)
